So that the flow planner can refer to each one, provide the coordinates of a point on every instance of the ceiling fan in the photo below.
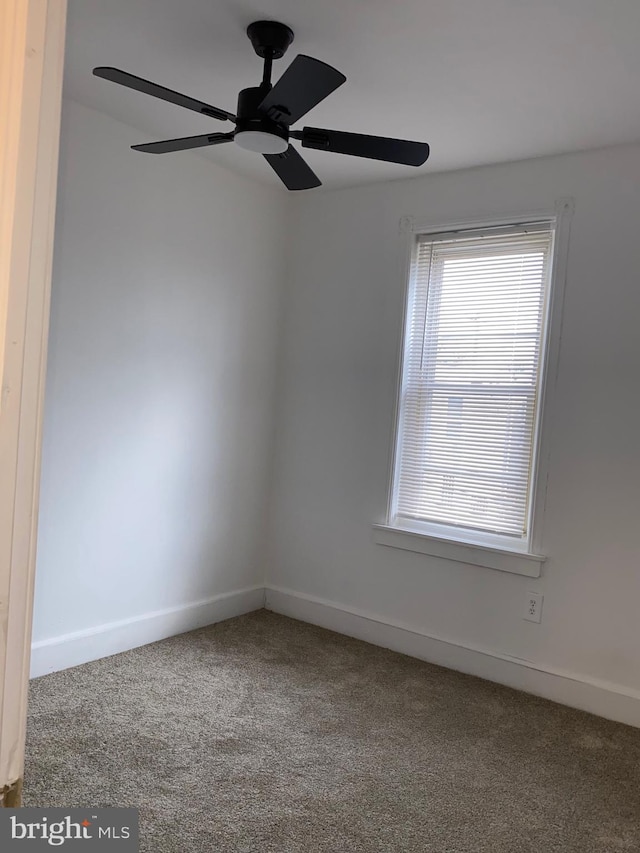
(265, 114)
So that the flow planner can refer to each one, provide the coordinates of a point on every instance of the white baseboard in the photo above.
(114, 637)
(606, 699)
(603, 698)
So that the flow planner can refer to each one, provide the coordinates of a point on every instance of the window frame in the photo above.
(448, 542)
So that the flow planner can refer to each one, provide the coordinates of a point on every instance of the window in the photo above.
(465, 455)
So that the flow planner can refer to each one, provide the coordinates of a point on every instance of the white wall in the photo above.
(160, 417)
(338, 374)
(159, 401)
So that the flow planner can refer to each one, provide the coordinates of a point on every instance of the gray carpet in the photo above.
(265, 734)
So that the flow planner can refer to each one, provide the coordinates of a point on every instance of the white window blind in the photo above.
(471, 379)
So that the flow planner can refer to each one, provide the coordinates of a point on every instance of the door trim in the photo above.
(31, 70)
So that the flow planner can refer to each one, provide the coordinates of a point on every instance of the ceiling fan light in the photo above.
(261, 142)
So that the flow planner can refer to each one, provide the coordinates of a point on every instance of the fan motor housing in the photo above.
(249, 117)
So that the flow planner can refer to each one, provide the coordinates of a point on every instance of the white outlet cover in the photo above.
(533, 606)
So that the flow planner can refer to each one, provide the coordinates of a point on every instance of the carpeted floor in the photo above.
(265, 734)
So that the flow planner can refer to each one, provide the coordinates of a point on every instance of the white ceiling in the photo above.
(483, 81)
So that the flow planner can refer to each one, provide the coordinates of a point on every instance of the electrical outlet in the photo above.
(533, 609)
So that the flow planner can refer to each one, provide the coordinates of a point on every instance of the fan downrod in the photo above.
(270, 39)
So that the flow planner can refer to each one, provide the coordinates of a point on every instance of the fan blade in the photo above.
(304, 84)
(292, 170)
(360, 145)
(185, 142)
(133, 82)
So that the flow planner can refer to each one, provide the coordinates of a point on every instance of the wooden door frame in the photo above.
(32, 34)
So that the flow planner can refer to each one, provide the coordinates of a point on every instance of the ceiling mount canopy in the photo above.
(265, 113)
(270, 38)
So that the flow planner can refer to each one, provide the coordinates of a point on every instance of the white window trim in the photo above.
(501, 559)
(439, 540)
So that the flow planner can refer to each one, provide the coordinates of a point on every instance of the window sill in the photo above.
(503, 560)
